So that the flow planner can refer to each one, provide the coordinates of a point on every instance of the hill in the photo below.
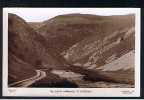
(63, 31)
(27, 51)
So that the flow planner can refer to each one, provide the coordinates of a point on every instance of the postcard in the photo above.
(71, 52)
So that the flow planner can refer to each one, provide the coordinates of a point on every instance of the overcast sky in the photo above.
(41, 14)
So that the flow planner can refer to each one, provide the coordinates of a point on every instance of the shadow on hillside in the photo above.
(62, 84)
(97, 75)
(52, 80)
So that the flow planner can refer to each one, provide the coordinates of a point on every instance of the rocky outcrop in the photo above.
(97, 52)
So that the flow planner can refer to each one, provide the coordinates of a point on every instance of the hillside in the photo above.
(18, 69)
(80, 50)
(104, 43)
(63, 31)
(91, 51)
(27, 51)
(35, 25)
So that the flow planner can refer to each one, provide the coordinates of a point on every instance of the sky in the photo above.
(41, 14)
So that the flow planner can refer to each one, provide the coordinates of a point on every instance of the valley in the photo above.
(72, 51)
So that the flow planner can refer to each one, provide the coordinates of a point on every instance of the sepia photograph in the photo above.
(72, 48)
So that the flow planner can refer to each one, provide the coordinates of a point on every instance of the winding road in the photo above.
(27, 82)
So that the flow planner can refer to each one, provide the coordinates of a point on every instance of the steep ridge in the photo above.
(114, 55)
(26, 52)
(92, 51)
(25, 43)
(18, 69)
(63, 31)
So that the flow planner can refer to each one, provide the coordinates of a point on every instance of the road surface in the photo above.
(27, 82)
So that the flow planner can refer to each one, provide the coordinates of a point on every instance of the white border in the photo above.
(72, 92)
